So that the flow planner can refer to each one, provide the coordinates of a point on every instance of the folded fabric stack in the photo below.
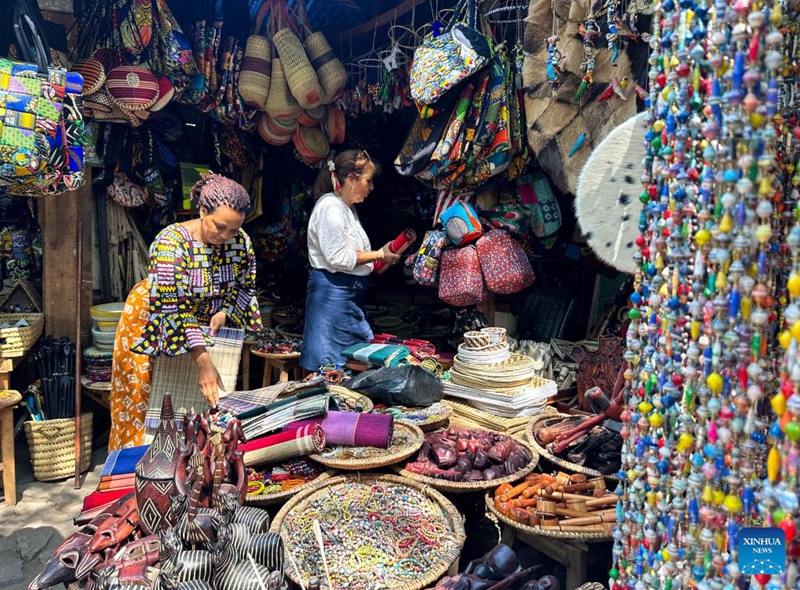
(97, 367)
(377, 355)
(491, 378)
(116, 480)
(275, 416)
(418, 348)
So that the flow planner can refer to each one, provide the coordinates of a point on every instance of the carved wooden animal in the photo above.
(196, 564)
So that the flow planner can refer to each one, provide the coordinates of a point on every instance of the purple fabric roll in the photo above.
(353, 429)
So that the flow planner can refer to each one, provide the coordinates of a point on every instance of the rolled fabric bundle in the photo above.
(285, 445)
(382, 355)
(352, 429)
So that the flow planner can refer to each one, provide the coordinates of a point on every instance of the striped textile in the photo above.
(123, 460)
(446, 198)
(285, 411)
(179, 376)
(243, 401)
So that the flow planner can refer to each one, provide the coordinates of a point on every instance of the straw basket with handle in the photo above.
(300, 73)
(254, 79)
(281, 104)
(52, 447)
(331, 73)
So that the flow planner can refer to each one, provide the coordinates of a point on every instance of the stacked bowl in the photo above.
(106, 318)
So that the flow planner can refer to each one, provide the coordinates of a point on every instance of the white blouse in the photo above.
(335, 235)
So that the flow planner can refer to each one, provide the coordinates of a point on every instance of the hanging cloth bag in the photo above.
(504, 264)
(461, 223)
(428, 259)
(440, 63)
(300, 74)
(33, 98)
(461, 282)
(254, 79)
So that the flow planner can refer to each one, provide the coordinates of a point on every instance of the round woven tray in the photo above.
(289, 356)
(282, 496)
(547, 455)
(432, 423)
(352, 397)
(535, 530)
(390, 456)
(463, 487)
(454, 518)
(286, 333)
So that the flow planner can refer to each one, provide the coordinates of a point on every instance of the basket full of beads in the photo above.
(360, 532)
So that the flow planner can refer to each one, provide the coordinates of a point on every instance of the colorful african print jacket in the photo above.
(189, 282)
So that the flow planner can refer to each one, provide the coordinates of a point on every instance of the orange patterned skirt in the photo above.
(130, 373)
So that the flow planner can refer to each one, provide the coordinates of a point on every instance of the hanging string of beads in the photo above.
(701, 352)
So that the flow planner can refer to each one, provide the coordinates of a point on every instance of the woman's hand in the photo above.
(210, 381)
(388, 256)
(217, 321)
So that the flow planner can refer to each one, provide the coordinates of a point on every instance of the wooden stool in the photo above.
(278, 367)
(8, 401)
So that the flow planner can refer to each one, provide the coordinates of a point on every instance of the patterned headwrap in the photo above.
(213, 190)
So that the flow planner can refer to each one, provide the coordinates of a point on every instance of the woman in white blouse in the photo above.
(341, 258)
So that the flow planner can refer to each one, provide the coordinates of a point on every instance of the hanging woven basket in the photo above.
(312, 117)
(281, 104)
(330, 71)
(312, 144)
(254, 78)
(266, 126)
(300, 73)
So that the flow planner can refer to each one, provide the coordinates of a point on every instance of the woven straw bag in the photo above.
(299, 72)
(281, 104)
(254, 79)
(330, 71)
(52, 447)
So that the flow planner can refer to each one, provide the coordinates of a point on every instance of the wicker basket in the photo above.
(15, 342)
(589, 533)
(330, 72)
(447, 565)
(280, 102)
(530, 435)
(52, 447)
(463, 487)
(394, 454)
(300, 73)
(254, 78)
(282, 496)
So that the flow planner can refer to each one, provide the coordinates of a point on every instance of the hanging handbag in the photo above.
(257, 64)
(65, 169)
(536, 196)
(440, 63)
(461, 223)
(504, 264)
(461, 282)
(425, 265)
(300, 74)
(33, 98)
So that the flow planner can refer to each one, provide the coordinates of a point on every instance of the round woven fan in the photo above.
(93, 72)
(132, 88)
(311, 143)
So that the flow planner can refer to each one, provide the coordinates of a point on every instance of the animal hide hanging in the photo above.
(555, 124)
(607, 198)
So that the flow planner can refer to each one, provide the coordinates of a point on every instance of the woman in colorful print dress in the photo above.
(202, 272)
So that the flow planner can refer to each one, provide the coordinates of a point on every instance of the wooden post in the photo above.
(59, 216)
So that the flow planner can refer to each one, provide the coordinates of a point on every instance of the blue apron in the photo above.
(334, 317)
